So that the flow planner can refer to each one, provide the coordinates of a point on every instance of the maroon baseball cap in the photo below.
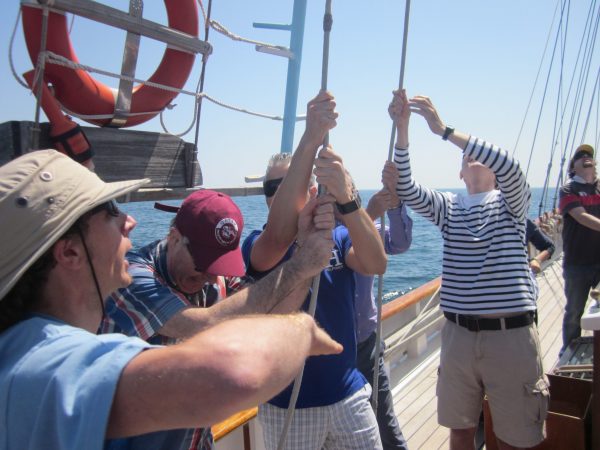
(213, 224)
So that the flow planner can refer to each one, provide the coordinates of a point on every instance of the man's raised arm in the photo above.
(281, 228)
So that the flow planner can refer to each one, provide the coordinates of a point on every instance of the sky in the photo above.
(477, 60)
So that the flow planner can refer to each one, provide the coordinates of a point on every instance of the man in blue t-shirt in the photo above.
(333, 409)
(63, 242)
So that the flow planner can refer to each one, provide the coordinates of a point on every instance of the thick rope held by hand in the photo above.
(375, 396)
(327, 23)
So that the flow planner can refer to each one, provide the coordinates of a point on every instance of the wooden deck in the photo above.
(415, 401)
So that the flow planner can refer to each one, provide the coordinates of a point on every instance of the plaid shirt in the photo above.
(150, 301)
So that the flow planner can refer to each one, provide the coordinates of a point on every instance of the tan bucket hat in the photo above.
(42, 194)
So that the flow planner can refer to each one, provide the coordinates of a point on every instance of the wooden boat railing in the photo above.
(402, 340)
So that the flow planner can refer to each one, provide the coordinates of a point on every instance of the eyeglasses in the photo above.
(270, 187)
(110, 207)
(189, 247)
(581, 155)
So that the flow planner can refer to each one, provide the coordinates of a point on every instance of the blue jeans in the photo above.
(389, 429)
(578, 282)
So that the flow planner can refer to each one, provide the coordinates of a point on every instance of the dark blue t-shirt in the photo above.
(327, 379)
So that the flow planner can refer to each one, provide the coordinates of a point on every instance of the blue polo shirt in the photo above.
(327, 379)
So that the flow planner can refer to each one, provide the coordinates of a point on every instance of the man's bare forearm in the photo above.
(366, 243)
(586, 219)
(282, 290)
(214, 373)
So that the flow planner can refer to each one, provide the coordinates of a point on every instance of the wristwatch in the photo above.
(349, 207)
(447, 132)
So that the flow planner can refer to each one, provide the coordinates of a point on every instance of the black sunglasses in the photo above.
(270, 187)
(110, 207)
(581, 155)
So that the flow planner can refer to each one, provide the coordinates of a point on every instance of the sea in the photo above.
(405, 272)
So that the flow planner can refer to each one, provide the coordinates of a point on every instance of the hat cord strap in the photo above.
(87, 254)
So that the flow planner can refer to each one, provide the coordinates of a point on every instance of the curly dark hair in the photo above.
(26, 293)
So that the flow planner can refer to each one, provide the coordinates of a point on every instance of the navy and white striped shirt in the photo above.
(485, 268)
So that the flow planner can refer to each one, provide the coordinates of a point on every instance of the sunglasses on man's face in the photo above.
(270, 186)
(110, 207)
(581, 155)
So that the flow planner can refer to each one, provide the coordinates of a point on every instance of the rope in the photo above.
(537, 126)
(554, 296)
(536, 79)
(47, 7)
(407, 337)
(556, 130)
(219, 28)
(71, 24)
(327, 24)
(589, 113)
(10, 53)
(585, 73)
(374, 398)
(38, 82)
(199, 88)
(597, 115)
(53, 58)
(101, 116)
(578, 94)
(426, 311)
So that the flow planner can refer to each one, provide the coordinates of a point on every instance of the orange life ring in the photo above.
(82, 94)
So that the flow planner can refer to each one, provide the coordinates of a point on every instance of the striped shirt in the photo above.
(485, 268)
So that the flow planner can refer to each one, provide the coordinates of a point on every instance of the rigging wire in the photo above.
(557, 136)
(536, 78)
(219, 28)
(597, 116)
(38, 81)
(564, 145)
(555, 130)
(585, 72)
(198, 109)
(589, 113)
(327, 25)
(53, 58)
(199, 88)
(537, 126)
(375, 396)
(578, 95)
(10, 53)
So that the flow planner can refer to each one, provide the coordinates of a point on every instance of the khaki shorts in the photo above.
(506, 366)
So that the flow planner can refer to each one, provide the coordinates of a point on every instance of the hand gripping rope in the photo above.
(327, 23)
(382, 230)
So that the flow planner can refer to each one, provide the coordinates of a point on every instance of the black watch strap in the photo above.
(349, 207)
(447, 132)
